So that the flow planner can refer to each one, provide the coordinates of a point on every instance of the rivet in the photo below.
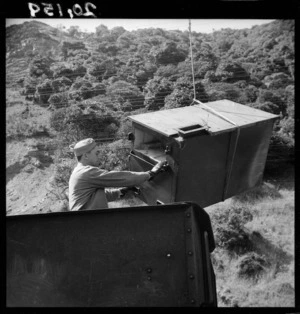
(192, 276)
(149, 270)
(149, 278)
(192, 301)
(168, 255)
(190, 253)
(188, 215)
(189, 230)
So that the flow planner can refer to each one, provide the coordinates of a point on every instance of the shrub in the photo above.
(59, 100)
(74, 124)
(44, 91)
(229, 229)
(280, 155)
(124, 92)
(39, 66)
(114, 156)
(29, 87)
(61, 84)
(252, 266)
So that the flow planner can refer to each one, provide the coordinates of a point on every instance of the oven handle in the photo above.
(137, 157)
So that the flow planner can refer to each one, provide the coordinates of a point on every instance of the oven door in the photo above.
(161, 189)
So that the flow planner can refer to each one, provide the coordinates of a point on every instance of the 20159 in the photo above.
(49, 9)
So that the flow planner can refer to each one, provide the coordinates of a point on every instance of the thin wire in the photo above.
(192, 62)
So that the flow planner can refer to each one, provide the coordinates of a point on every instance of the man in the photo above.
(88, 182)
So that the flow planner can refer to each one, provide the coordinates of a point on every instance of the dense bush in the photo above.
(229, 229)
(125, 93)
(59, 100)
(61, 84)
(252, 266)
(74, 123)
(44, 91)
(39, 66)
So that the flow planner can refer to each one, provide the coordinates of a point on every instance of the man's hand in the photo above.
(157, 168)
(123, 191)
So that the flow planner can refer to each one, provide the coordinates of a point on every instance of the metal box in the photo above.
(138, 257)
(215, 151)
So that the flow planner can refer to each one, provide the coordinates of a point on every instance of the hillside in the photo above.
(64, 84)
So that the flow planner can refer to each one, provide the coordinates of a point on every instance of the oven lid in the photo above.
(170, 122)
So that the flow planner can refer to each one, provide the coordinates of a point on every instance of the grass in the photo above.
(261, 275)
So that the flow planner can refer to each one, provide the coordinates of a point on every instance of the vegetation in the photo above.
(65, 85)
(254, 255)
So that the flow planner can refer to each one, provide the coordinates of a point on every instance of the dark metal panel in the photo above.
(202, 168)
(118, 257)
(250, 158)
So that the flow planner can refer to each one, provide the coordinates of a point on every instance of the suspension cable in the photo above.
(192, 62)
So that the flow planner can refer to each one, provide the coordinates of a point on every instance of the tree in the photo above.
(125, 40)
(221, 90)
(231, 71)
(102, 31)
(62, 70)
(156, 90)
(117, 31)
(59, 100)
(290, 100)
(267, 106)
(60, 84)
(29, 87)
(144, 73)
(277, 80)
(204, 60)
(44, 91)
(169, 71)
(103, 70)
(66, 46)
(74, 31)
(39, 66)
(107, 48)
(183, 93)
(274, 97)
(81, 89)
(169, 53)
(124, 92)
(78, 70)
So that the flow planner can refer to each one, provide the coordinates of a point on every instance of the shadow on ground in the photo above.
(263, 246)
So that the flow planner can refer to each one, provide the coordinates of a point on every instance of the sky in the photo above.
(197, 25)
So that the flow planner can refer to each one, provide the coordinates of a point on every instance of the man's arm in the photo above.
(103, 179)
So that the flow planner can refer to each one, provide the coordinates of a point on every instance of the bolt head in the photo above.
(190, 253)
(149, 270)
(189, 230)
(188, 215)
(192, 276)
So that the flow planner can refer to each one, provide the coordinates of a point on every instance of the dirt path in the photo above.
(29, 171)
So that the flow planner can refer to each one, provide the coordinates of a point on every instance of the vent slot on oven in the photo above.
(192, 130)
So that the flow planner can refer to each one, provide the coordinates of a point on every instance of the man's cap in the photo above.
(83, 146)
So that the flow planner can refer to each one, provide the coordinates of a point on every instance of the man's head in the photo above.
(87, 152)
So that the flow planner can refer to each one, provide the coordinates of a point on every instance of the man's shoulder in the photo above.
(83, 170)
